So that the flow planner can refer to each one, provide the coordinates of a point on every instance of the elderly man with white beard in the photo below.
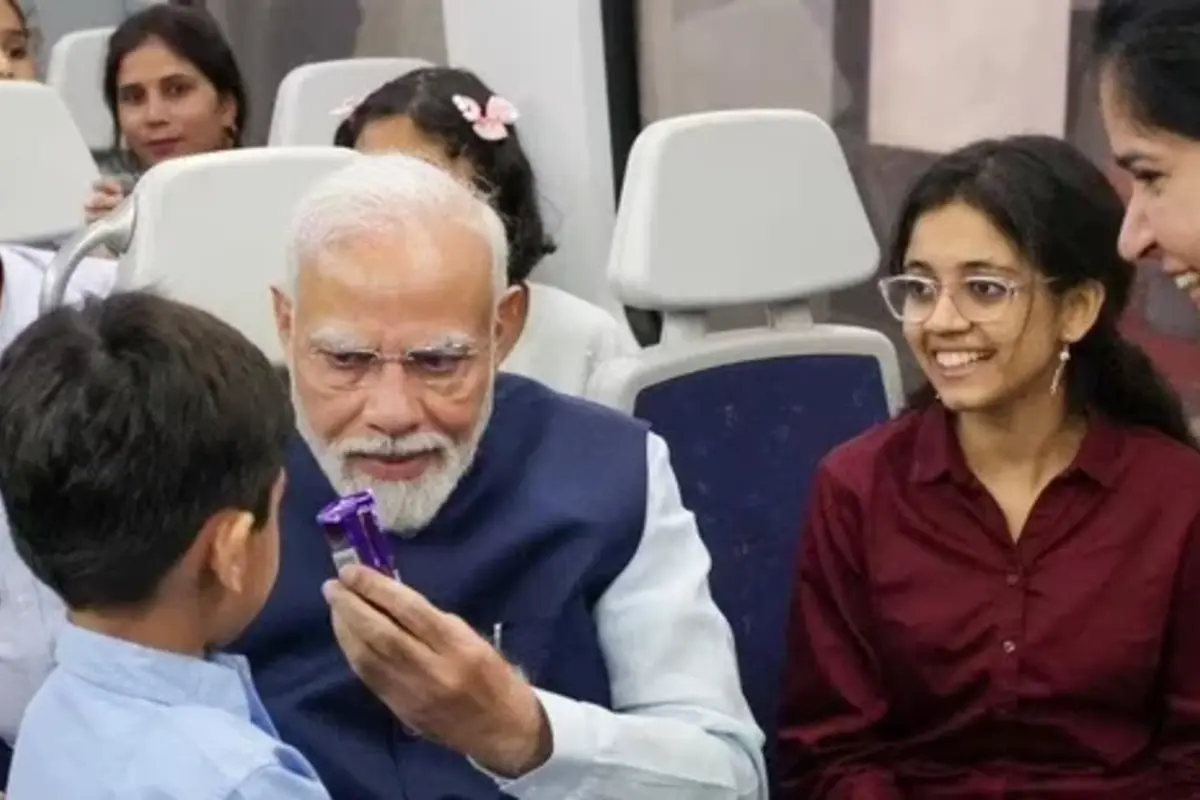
(552, 634)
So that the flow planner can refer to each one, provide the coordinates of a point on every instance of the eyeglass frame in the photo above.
(1013, 287)
(462, 353)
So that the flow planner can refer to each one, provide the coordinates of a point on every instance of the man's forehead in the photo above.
(424, 254)
(382, 284)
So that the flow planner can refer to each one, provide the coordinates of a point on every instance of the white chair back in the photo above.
(211, 230)
(314, 98)
(736, 209)
(46, 169)
(76, 72)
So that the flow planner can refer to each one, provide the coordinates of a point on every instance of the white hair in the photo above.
(389, 193)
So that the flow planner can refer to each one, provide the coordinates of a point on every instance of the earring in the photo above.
(1064, 356)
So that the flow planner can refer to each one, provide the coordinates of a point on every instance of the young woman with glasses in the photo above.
(996, 590)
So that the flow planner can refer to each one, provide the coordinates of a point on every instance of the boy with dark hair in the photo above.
(141, 459)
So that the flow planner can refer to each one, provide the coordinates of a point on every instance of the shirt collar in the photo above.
(220, 681)
(938, 455)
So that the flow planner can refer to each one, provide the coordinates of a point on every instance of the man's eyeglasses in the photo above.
(441, 368)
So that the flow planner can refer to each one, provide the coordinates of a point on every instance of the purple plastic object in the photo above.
(354, 535)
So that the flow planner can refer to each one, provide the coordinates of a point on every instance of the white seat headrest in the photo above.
(76, 72)
(314, 98)
(736, 208)
(46, 168)
(211, 230)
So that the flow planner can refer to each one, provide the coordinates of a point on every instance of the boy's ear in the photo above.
(228, 532)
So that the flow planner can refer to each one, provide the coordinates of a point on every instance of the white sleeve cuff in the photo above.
(568, 772)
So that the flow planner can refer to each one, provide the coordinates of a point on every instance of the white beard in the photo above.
(405, 507)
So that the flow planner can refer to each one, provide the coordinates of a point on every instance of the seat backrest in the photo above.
(76, 72)
(45, 166)
(314, 98)
(735, 209)
(211, 230)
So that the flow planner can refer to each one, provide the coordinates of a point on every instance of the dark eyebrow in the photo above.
(974, 264)
(1130, 161)
(987, 265)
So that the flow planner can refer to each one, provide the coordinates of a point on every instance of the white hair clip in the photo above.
(489, 122)
(347, 107)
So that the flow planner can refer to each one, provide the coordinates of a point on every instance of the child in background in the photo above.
(451, 118)
(141, 452)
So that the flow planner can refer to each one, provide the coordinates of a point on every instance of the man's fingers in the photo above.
(373, 629)
(408, 608)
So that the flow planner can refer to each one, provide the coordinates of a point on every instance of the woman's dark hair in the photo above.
(192, 35)
(426, 96)
(20, 12)
(1152, 50)
(1063, 216)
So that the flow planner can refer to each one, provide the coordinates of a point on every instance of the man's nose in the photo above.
(393, 406)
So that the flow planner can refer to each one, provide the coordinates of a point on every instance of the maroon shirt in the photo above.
(933, 657)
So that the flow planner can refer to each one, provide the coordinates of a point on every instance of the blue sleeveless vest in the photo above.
(551, 512)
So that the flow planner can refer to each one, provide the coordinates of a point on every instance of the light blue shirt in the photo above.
(117, 721)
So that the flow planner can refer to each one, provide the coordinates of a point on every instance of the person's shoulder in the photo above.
(1155, 458)
(93, 276)
(182, 748)
(134, 747)
(856, 463)
(555, 312)
(519, 395)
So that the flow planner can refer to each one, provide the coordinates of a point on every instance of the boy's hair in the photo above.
(125, 424)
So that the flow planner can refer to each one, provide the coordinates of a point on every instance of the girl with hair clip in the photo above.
(1148, 52)
(450, 118)
(996, 591)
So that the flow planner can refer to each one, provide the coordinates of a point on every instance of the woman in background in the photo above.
(173, 88)
(16, 44)
(996, 591)
(453, 119)
(1149, 58)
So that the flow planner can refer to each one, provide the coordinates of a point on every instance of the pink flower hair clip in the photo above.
(490, 122)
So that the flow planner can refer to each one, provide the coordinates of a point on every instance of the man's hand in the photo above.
(437, 675)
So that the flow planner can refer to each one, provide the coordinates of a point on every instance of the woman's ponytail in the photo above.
(1113, 376)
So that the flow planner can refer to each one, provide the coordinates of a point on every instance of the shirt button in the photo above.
(1009, 646)
(1013, 579)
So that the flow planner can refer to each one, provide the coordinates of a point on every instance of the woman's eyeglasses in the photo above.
(979, 299)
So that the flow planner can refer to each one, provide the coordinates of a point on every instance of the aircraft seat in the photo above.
(45, 166)
(735, 209)
(312, 98)
(76, 72)
(209, 230)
